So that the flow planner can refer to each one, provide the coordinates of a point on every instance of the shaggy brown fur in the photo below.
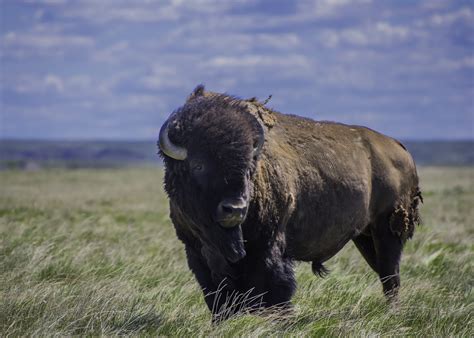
(314, 187)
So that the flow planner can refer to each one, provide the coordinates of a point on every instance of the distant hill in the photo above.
(452, 153)
(34, 154)
(72, 154)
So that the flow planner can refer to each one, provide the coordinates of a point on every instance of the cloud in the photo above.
(45, 41)
(254, 60)
(151, 11)
(161, 76)
(55, 82)
(76, 85)
(346, 76)
(46, 2)
(452, 65)
(375, 34)
(112, 53)
(463, 14)
(106, 14)
(326, 8)
(234, 42)
(80, 82)
(25, 84)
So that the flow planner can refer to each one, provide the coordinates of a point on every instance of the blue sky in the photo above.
(113, 69)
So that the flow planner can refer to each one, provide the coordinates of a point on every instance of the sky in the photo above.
(114, 69)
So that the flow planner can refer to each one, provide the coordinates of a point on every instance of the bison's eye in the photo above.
(197, 167)
(255, 145)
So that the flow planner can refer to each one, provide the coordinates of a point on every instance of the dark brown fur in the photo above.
(314, 187)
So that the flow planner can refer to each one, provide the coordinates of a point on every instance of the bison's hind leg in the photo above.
(319, 269)
(390, 234)
(382, 250)
(388, 246)
(365, 244)
(382, 243)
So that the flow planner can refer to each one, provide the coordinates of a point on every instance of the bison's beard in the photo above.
(227, 243)
(225, 248)
(232, 246)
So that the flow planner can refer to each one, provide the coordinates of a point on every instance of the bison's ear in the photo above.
(198, 91)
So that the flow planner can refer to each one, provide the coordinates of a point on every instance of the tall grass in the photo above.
(93, 252)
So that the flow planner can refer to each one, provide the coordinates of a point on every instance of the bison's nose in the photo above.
(231, 212)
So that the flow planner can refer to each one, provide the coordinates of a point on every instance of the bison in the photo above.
(252, 190)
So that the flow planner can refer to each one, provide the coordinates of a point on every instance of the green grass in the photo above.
(91, 252)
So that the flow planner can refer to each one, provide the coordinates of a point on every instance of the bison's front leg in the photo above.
(270, 277)
(217, 288)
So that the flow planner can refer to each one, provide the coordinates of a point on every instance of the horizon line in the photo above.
(130, 140)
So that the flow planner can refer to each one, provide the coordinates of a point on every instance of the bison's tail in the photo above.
(406, 216)
(319, 269)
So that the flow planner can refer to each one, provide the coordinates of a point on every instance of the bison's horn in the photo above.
(261, 139)
(167, 147)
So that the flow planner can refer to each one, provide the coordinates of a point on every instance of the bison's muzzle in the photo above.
(231, 212)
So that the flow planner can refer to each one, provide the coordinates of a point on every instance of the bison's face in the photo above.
(223, 194)
(210, 179)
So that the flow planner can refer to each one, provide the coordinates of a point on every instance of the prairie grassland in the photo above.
(88, 252)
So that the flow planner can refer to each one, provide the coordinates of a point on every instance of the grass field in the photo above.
(93, 252)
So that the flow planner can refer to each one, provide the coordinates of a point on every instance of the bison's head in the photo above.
(210, 147)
